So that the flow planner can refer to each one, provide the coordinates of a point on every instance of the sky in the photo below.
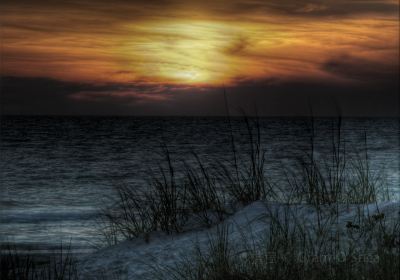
(178, 57)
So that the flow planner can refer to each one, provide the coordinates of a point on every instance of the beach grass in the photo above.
(60, 264)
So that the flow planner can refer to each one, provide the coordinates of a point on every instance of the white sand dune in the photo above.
(135, 259)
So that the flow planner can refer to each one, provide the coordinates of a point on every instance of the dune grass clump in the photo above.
(59, 265)
(15, 266)
(139, 212)
(290, 250)
(205, 198)
(244, 178)
(167, 203)
(201, 193)
(336, 177)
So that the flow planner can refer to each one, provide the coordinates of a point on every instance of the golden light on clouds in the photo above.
(190, 46)
(190, 52)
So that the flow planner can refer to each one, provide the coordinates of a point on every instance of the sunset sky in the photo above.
(175, 57)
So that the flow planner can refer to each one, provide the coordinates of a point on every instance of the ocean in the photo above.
(57, 173)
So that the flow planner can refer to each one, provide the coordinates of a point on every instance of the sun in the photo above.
(184, 52)
(188, 75)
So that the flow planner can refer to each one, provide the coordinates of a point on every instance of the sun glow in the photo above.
(191, 52)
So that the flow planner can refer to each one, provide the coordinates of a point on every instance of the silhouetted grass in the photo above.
(201, 192)
(244, 178)
(162, 206)
(59, 265)
(205, 198)
(289, 250)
